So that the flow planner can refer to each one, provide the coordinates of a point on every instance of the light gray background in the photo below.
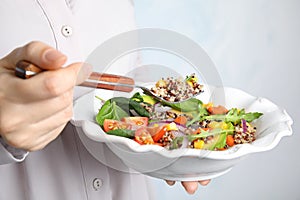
(256, 47)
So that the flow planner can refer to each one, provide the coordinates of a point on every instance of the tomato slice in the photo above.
(217, 110)
(181, 120)
(139, 121)
(110, 124)
(198, 131)
(160, 133)
(136, 122)
(142, 136)
(153, 129)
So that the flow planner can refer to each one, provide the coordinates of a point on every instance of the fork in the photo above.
(26, 70)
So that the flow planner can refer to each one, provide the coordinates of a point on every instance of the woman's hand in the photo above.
(190, 186)
(34, 111)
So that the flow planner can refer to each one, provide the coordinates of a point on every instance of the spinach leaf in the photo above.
(135, 103)
(122, 132)
(138, 108)
(110, 110)
(137, 97)
(103, 111)
(122, 102)
(131, 104)
(185, 106)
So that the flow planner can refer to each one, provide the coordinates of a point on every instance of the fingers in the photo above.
(45, 85)
(204, 182)
(47, 138)
(190, 186)
(34, 111)
(170, 183)
(35, 136)
(48, 84)
(37, 53)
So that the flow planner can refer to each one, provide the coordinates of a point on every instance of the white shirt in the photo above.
(65, 169)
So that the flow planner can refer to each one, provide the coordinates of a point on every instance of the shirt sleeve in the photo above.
(9, 154)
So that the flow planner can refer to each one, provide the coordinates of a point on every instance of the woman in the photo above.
(34, 114)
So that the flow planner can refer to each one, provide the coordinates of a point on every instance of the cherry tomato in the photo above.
(110, 124)
(142, 136)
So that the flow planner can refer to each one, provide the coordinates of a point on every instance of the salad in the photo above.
(188, 124)
(174, 90)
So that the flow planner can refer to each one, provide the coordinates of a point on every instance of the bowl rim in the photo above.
(231, 153)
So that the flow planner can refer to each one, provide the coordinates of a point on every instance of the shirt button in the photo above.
(67, 31)
(97, 183)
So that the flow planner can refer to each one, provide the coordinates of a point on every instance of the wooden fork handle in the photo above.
(109, 82)
(25, 70)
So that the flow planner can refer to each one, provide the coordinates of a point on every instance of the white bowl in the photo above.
(187, 164)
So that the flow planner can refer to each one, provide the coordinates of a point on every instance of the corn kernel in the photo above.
(208, 105)
(198, 144)
(161, 83)
(224, 126)
(215, 124)
(171, 127)
(190, 83)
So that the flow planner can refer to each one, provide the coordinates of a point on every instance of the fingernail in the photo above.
(53, 55)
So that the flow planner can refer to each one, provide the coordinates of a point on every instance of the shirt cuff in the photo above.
(9, 154)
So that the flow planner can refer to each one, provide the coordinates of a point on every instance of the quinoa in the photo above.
(241, 137)
(167, 139)
(163, 115)
(148, 107)
(177, 89)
